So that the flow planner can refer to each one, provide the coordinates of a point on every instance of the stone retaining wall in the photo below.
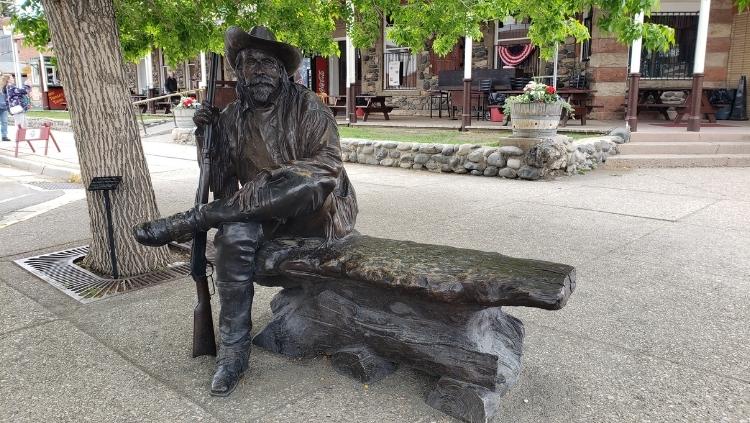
(524, 158)
(540, 158)
(57, 124)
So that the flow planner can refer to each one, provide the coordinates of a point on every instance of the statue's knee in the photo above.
(239, 235)
(236, 244)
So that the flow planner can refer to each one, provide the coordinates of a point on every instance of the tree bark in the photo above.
(86, 42)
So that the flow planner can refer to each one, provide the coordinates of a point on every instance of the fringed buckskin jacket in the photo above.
(282, 166)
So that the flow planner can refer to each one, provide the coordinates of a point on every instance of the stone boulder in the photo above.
(549, 154)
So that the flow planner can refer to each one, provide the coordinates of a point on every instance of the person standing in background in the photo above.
(18, 101)
(4, 106)
(170, 85)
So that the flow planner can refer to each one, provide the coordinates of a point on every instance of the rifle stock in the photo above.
(204, 341)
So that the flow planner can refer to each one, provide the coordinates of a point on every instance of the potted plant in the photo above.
(536, 112)
(184, 111)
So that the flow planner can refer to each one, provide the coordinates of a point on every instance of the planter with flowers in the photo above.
(184, 111)
(536, 113)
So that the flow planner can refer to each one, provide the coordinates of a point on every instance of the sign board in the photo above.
(394, 74)
(33, 134)
(321, 75)
(56, 98)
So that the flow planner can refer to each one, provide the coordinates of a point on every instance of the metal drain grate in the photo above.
(54, 186)
(60, 271)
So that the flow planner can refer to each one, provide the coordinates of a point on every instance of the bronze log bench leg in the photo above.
(372, 304)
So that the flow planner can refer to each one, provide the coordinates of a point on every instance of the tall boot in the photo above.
(235, 323)
(180, 227)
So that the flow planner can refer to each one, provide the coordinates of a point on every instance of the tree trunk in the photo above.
(86, 42)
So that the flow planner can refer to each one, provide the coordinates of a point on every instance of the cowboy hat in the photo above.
(261, 38)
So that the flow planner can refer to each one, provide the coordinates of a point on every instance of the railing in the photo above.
(399, 70)
(677, 63)
(140, 105)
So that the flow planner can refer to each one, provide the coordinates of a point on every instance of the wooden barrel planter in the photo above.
(183, 118)
(534, 120)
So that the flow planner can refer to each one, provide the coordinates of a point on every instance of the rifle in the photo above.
(204, 342)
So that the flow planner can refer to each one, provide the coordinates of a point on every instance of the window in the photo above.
(50, 72)
(399, 64)
(513, 36)
(34, 75)
(677, 63)
(588, 22)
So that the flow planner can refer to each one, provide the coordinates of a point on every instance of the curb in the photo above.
(41, 168)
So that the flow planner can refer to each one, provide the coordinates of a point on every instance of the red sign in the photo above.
(321, 75)
(56, 99)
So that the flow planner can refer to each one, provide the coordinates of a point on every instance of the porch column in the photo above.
(203, 70)
(466, 112)
(16, 58)
(554, 65)
(148, 64)
(635, 76)
(694, 119)
(351, 110)
(43, 77)
(161, 72)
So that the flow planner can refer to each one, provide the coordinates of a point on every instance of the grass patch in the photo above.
(49, 114)
(489, 138)
(65, 115)
(436, 136)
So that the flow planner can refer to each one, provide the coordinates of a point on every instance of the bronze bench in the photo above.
(372, 303)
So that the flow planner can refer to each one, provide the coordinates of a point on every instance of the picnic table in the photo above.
(374, 104)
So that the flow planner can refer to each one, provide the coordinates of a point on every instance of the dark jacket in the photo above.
(170, 85)
(296, 139)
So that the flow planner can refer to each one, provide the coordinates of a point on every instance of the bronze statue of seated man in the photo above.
(275, 170)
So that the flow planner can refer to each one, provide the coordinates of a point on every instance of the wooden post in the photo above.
(632, 117)
(694, 108)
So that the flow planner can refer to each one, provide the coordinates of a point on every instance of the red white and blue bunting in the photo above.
(514, 59)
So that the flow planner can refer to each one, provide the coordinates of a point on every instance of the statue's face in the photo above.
(258, 75)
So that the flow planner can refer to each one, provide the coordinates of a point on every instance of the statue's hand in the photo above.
(206, 115)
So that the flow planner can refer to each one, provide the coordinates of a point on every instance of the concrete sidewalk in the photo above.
(655, 331)
(161, 153)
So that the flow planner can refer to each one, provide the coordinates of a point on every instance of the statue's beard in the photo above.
(259, 91)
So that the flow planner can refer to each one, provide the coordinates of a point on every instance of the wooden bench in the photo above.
(372, 304)
(378, 109)
(661, 108)
(580, 111)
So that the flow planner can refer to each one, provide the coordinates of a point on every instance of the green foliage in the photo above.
(440, 24)
(183, 28)
(7, 9)
(30, 22)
